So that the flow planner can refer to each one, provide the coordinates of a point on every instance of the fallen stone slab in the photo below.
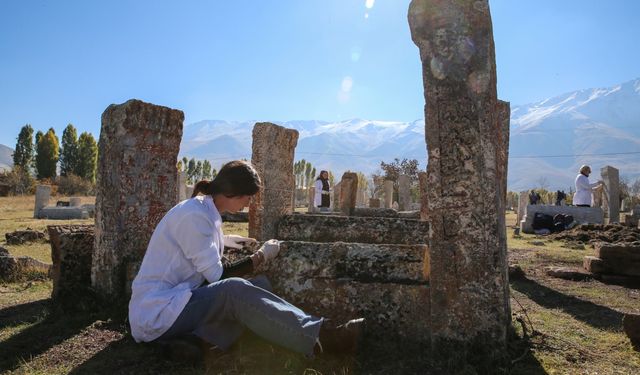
(332, 228)
(20, 237)
(568, 273)
(16, 268)
(618, 251)
(631, 325)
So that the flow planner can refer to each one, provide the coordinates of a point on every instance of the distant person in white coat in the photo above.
(584, 190)
(322, 195)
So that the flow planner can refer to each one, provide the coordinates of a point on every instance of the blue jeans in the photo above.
(219, 312)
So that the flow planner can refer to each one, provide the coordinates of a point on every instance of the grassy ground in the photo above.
(562, 327)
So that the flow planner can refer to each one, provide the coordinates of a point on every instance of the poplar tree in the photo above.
(87, 157)
(69, 151)
(47, 153)
(23, 156)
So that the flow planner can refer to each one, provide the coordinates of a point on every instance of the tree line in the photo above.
(76, 156)
(196, 170)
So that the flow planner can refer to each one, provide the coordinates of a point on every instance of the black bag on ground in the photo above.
(542, 221)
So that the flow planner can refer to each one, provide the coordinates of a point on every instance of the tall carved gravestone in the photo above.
(272, 156)
(388, 193)
(465, 137)
(611, 191)
(136, 186)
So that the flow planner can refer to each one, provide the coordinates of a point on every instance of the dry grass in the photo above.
(571, 327)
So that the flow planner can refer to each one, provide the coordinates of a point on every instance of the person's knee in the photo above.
(235, 284)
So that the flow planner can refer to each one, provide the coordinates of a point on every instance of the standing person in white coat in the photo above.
(322, 196)
(184, 296)
(584, 190)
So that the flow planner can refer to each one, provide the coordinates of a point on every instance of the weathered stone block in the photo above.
(16, 268)
(348, 194)
(64, 213)
(383, 283)
(594, 265)
(272, 156)
(620, 259)
(20, 237)
(568, 273)
(331, 228)
(631, 325)
(71, 254)
(137, 185)
(375, 212)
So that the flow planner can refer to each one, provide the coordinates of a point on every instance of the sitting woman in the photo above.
(183, 293)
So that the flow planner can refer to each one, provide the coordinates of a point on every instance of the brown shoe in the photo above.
(342, 339)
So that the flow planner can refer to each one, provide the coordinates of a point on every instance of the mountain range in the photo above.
(549, 139)
(6, 158)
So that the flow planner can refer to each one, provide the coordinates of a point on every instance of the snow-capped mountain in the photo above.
(6, 158)
(578, 124)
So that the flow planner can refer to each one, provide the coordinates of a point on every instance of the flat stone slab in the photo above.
(13, 268)
(332, 228)
(383, 283)
(568, 273)
(583, 215)
(20, 237)
(374, 212)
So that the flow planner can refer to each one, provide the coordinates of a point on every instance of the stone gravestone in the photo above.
(348, 195)
(337, 190)
(136, 186)
(424, 198)
(523, 202)
(470, 310)
(272, 156)
(388, 193)
(404, 192)
(374, 202)
(311, 199)
(43, 194)
(611, 192)
(182, 186)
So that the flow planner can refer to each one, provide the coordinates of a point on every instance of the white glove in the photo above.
(238, 242)
(270, 249)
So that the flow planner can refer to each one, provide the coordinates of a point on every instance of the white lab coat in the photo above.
(185, 249)
(584, 189)
(317, 200)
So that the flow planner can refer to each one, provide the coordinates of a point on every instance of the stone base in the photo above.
(383, 283)
(63, 213)
(583, 215)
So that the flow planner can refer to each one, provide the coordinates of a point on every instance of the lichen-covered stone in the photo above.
(331, 228)
(137, 185)
(17, 268)
(71, 254)
(383, 283)
(20, 237)
(272, 156)
(470, 309)
(375, 212)
(348, 193)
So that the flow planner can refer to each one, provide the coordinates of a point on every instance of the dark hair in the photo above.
(320, 175)
(234, 179)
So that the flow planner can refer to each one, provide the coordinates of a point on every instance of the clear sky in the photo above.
(65, 61)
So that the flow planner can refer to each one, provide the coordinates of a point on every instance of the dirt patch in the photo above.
(591, 233)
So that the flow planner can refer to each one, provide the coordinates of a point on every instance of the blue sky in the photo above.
(273, 60)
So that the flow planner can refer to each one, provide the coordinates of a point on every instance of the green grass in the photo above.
(573, 327)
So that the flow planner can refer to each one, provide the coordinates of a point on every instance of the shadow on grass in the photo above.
(597, 316)
(48, 328)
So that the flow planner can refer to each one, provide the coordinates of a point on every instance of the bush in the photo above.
(75, 185)
(17, 182)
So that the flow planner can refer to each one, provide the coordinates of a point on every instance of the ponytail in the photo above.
(202, 187)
